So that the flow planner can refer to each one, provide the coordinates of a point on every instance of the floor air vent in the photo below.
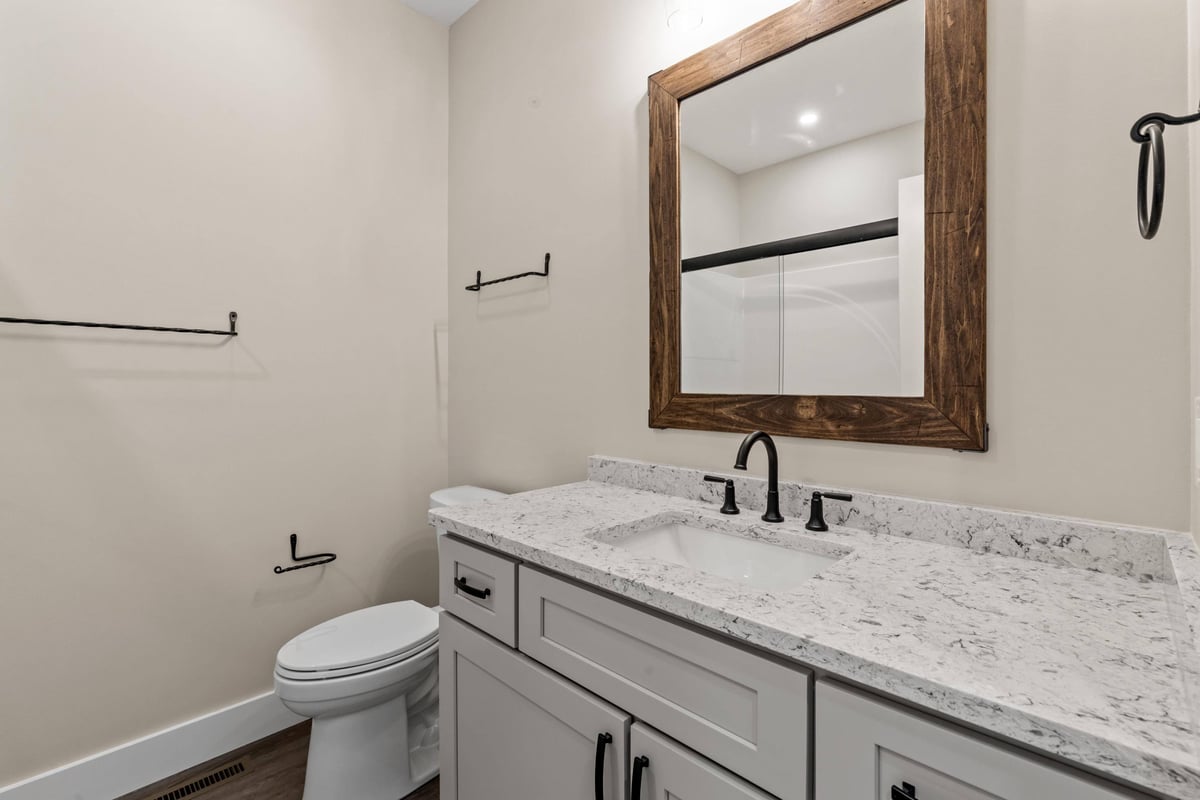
(218, 775)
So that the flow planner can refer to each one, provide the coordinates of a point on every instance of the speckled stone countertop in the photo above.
(1070, 637)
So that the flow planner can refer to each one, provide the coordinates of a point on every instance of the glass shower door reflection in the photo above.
(851, 322)
(730, 329)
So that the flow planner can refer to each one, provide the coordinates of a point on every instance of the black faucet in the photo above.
(772, 514)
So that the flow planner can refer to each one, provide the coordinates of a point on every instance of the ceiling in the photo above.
(444, 11)
(755, 119)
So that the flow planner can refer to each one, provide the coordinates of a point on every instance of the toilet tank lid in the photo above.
(462, 495)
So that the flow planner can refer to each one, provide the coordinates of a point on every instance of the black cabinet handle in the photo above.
(602, 741)
(635, 789)
(908, 792)
(482, 594)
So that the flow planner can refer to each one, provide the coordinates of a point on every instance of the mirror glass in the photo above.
(802, 219)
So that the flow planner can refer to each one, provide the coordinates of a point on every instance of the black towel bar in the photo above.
(480, 282)
(232, 331)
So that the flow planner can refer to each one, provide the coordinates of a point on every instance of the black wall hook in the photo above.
(480, 282)
(306, 561)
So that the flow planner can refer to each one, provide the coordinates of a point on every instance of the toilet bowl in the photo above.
(368, 681)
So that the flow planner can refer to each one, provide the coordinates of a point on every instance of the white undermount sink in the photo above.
(763, 565)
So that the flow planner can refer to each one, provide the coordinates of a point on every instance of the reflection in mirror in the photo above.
(802, 219)
(730, 320)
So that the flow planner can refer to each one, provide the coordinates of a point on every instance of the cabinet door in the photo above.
(512, 729)
(745, 711)
(869, 749)
(666, 770)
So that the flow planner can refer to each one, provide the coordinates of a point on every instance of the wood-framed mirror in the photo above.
(855, 310)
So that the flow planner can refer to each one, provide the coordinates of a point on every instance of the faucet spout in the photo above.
(743, 453)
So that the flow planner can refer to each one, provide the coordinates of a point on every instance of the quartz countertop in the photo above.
(1093, 666)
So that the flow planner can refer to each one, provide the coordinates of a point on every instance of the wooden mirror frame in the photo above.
(952, 411)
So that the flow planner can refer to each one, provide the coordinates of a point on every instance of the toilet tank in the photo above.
(461, 496)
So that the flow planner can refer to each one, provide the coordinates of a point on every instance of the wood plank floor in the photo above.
(273, 770)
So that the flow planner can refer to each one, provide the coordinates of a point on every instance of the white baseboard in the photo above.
(135, 764)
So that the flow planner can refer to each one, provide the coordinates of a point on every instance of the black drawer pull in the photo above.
(482, 594)
(602, 742)
(635, 790)
(908, 792)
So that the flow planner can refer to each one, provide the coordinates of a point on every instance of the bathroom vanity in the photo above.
(620, 638)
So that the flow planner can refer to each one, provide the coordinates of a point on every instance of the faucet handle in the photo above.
(816, 515)
(730, 506)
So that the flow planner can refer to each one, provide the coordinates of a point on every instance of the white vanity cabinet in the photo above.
(603, 698)
(870, 749)
(512, 730)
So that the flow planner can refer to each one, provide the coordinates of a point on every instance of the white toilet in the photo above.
(368, 680)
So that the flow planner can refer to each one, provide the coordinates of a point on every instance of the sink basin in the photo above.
(763, 565)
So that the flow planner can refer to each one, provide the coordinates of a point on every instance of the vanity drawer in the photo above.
(478, 587)
(744, 711)
(867, 749)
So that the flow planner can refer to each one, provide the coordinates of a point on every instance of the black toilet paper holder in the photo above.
(315, 560)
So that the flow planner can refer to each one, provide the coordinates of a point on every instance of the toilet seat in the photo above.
(362, 641)
(346, 690)
(358, 669)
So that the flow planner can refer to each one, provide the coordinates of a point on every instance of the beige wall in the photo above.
(163, 162)
(1088, 324)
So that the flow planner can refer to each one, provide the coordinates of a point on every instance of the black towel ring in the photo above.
(1152, 152)
(1148, 132)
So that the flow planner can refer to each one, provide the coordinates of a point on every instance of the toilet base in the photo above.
(366, 755)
